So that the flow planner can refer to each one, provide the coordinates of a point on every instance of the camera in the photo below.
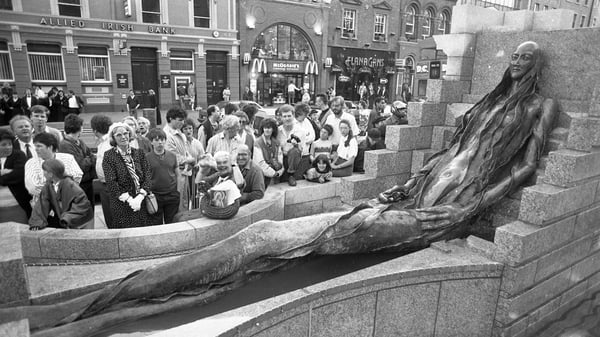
(294, 137)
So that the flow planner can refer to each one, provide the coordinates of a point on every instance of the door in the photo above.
(144, 73)
(216, 76)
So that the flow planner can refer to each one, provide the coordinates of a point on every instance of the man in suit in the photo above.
(12, 172)
(75, 102)
(28, 101)
(22, 127)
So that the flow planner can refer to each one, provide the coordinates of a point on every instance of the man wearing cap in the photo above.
(372, 142)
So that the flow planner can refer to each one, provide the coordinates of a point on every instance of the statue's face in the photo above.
(523, 59)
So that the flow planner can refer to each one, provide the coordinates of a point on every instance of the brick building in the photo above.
(101, 49)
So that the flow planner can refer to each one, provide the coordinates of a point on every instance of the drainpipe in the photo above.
(591, 13)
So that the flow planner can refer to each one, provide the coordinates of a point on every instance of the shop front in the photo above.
(363, 72)
(281, 58)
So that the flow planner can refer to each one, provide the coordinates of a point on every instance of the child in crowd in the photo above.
(163, 173)
(322, 145)
(62, 203)
(321, 170)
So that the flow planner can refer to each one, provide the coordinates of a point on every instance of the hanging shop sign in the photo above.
(383, 80)
(165, 81)
(122, 81)
(355, 61)
(344, 78)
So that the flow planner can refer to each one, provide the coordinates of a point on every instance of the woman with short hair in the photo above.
(267, 151)
(127, 179)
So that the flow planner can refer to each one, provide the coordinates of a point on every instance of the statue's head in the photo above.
(524, 59)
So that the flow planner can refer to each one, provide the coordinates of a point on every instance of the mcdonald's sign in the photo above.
(259, 66)
(311, 68)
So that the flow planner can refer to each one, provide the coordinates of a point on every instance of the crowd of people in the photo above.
(145, 176)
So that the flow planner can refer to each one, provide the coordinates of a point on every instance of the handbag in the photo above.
(151, 203)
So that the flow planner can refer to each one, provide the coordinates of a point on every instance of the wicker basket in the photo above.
(213, 212)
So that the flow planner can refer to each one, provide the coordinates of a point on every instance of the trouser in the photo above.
(88, 188)
(73, 111)
(295, 164)
(105, 201)
(168, 206)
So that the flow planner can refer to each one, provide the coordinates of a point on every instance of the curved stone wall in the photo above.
(445, 290)
(280, 202)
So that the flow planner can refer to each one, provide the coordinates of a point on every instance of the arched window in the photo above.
(282, 42)
(427, 23)
(411, 13)
(444, 22)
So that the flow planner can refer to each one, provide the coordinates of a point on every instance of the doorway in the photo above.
(144, 73)
(216, 76)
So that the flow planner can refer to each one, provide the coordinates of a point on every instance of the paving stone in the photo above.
(565, 166)
(156, 240)
(542, 203)
(15, 329)
(408, 137)
(303, 209)
(407, 311)
(455, 113)
(380, 163)
(350, 317)
(586, 267)
(584, 132)
(518, 241)
(441, 137)
(426, 113)
(467, 305)
(562, 258)
(441, 91)
(296, 326)
(85, 244)
(420, 158)
(513, 308)
(587, 222)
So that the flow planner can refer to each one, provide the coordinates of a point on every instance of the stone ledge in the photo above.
(426, 113)
(540, 204)
(459, 273)
(565, 167)
(380, 163)
(408, 137)
(13, 279)
(584, 132)
(441, 91)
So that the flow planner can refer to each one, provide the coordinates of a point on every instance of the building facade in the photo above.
(181, 49)
(383, 44)
(282, 42)
(586, 11)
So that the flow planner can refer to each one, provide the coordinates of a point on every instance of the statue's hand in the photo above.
(452, 213)
(396, 193)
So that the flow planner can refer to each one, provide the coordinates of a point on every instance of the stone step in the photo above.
(560, 134)
(471, 98)
(552, 145)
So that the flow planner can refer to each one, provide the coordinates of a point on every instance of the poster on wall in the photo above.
(181, 86)
(122, 81)
(165, 81)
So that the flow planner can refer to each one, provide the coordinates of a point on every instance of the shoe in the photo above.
(292, 181)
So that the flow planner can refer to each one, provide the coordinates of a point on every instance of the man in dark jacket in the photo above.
(12, 171)
(253, 176)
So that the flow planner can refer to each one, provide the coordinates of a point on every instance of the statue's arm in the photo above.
(523, 170)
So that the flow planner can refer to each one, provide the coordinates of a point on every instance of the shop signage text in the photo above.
(284, 66)
(62, 22)
(364, 61)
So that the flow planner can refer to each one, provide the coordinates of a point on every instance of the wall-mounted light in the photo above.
(318, 29)
(250, 21)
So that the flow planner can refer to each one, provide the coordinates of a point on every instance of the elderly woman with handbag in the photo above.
(127, 179)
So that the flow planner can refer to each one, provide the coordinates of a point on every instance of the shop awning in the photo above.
(259, 66)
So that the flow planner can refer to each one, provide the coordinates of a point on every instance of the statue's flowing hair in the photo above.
(515, 103)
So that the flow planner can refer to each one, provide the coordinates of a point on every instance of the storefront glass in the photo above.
(282, 42)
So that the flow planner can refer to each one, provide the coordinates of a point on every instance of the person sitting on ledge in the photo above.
(222, 201)
(62, 203)
(255, 184)
(493, 152)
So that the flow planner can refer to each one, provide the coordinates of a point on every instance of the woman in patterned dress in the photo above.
(127, 179)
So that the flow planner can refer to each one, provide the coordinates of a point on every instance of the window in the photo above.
(151, 11)
(283, 42)
(410, 22)
(380, 28)
(6, 73)
(93, 64)
(582, 21)
(69, 8)
(45, 62)
(427, 23)
(536, 7)
(349, 24)
(182, 61)
(444, 22)
(545, 7)
(202, 13)
(6, 5)
(574, 20)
